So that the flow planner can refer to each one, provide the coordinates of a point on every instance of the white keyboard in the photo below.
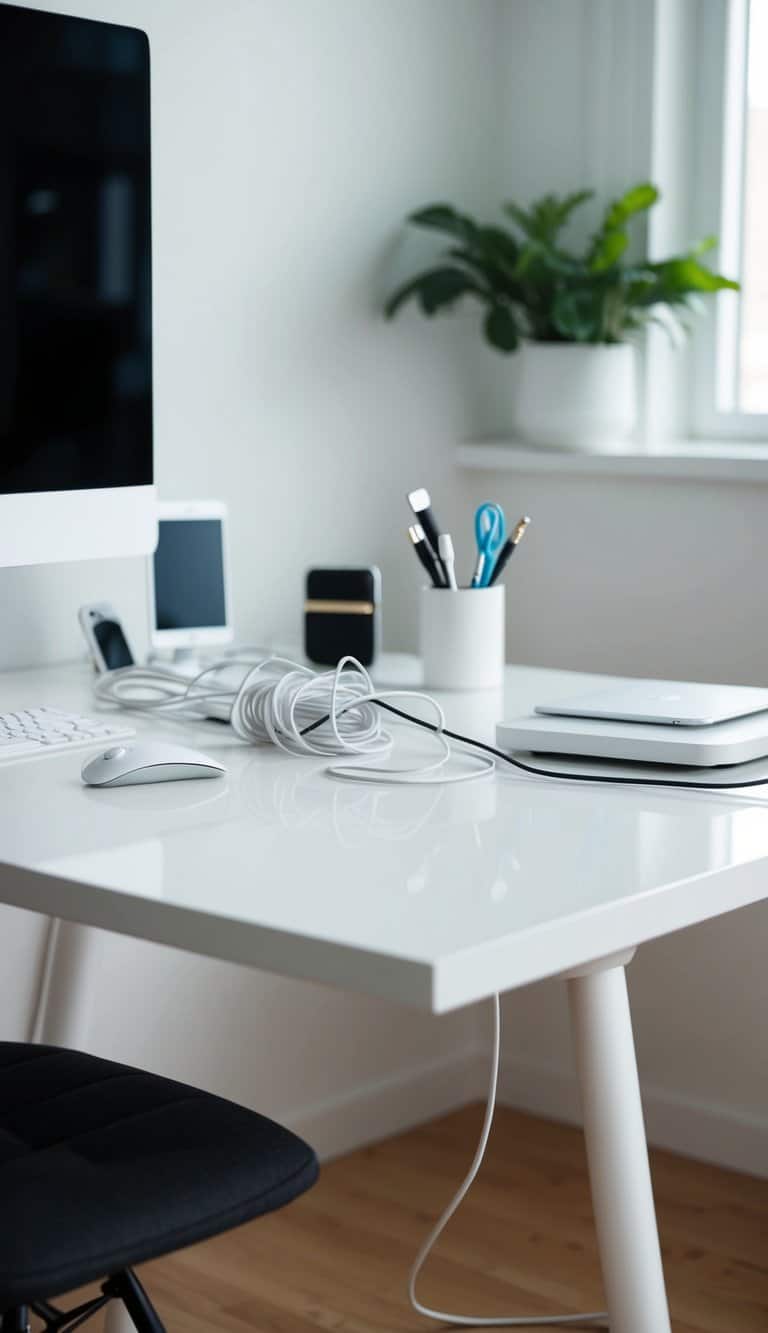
(33, 731)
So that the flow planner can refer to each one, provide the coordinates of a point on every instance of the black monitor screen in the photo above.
(189, 574)
(75, 283)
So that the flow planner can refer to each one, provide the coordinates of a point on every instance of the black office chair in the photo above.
(103, 1166)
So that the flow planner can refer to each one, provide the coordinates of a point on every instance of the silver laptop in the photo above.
(670, 702)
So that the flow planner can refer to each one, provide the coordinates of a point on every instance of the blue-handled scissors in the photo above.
(490, 534)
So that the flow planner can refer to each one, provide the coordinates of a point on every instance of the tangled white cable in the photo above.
(303, 712)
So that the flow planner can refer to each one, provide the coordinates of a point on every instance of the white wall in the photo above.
(649, 577)
(289, 141)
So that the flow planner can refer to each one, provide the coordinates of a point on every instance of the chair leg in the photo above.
(127, 1288)
(123, 1296)
(56, 1320)
(15, 1321)
(50, 1314)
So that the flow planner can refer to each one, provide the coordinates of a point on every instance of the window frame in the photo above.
(719, 175)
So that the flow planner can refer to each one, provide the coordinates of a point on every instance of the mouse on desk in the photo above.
(148, 761)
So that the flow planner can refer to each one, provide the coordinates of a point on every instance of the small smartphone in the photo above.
(105, 636)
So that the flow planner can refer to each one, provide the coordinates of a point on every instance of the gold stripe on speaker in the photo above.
(323, 607)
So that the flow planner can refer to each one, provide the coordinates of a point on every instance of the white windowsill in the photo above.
(700, 460)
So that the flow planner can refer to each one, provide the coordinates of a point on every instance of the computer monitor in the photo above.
(75, 290)
(189, 578)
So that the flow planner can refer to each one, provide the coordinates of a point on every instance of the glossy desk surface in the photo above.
(434, 896)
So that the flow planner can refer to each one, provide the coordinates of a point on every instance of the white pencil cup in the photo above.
(462, 638)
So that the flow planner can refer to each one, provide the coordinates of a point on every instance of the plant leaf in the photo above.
(706, 243)
(495, 278)
(546, 216)
(571, 201)
(501, 329)
(434, 289)
(522, 217)
(533, 287)
(637, 200)
(499, 245)
(611, 239)
(576, 315)
(684, 274)
(493, 253)
(529, 254)
(442, 217)
(608, 248)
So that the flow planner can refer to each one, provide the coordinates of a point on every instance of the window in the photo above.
(732, 129)
(750, 390)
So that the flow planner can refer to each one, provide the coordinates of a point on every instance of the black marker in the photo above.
(422, 507)
(426, 556)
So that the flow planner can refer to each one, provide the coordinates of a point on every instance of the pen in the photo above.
(426, 555)
(448, 559)
(508, 549)
(422, 507)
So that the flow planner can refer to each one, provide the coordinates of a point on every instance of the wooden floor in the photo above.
(523, 1241)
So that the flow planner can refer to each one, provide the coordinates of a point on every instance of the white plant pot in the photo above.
(576, 396)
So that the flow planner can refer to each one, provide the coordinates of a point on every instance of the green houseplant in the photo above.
(572, 312)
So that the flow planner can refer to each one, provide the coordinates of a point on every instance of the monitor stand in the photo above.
(184, 662)
(184, 656)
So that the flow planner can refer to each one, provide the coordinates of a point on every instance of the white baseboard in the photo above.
(388, 1106)
(717, 1134)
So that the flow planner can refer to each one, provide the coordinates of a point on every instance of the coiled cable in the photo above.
(303, 712)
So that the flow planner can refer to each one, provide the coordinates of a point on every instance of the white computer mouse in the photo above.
(148, 761)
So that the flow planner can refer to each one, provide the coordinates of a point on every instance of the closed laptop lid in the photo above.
(676, 703)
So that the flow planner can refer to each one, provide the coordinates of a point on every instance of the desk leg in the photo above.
(63, 1002)
(616, 1149)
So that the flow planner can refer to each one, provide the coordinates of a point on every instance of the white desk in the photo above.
(432, 897)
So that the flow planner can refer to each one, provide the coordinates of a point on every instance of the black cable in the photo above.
(547, 772)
